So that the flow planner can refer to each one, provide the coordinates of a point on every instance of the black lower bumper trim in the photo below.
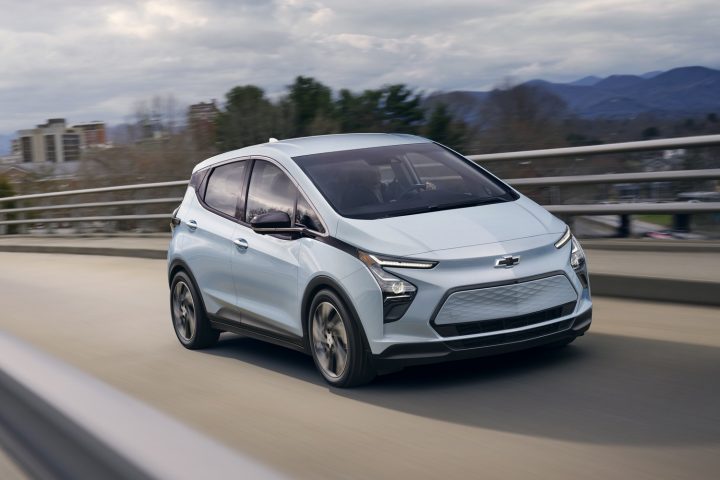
(403, 355)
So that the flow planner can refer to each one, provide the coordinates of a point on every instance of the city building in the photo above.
(202, 112)
(55, 142)
(92, 134)
(201, 122)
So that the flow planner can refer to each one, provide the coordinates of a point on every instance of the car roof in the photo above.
(295, 147)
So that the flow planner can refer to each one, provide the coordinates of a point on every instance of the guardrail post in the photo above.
(681, 222)
(22, 228)
(625, 228)
(3, 228)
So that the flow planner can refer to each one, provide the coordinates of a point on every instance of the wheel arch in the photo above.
(322, 282)
(178, 265)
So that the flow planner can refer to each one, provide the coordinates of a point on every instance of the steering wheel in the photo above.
(412, 188)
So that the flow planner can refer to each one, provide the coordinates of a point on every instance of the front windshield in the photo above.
(398, 180)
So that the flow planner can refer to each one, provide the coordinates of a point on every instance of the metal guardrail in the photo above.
(117, 188)
(625, 147)
(597, 209)
(59, 423)
(609, 178)
(635, 208)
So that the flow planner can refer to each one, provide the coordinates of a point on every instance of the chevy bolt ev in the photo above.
(370, 252)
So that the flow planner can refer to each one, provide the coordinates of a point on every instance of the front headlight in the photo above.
(397, 292)
(577, 255)
(389, 283)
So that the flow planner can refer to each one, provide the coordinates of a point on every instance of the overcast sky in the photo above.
(93, 60)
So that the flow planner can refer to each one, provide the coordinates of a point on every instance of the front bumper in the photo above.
(408, 354)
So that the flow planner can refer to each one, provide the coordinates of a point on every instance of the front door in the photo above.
(266, 273)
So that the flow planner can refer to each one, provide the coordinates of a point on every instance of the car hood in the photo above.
(446, 229)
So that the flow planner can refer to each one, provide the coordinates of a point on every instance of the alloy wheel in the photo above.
(184, 313)
(329, 340)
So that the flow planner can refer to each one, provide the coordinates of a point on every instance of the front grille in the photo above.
(511, 337)
(523, 303)
(495, 325)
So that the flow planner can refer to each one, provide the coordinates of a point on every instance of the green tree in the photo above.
(443, 128)
(393, 108)
(401, 109)
(521, 117)
(359, 112)
(249, 118)
(312, 107)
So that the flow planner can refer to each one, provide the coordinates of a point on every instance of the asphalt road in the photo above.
(638, 397)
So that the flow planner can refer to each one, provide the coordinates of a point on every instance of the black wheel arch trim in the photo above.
(318, 283)
(179, 265)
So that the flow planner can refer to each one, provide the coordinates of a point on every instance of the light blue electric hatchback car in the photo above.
(370, 252)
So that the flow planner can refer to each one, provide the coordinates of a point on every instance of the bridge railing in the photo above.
(58, 423)
(20, 211)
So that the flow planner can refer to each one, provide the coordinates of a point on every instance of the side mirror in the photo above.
(271, 220)
(274, 223)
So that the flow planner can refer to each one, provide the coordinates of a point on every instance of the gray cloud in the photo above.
(94, 60)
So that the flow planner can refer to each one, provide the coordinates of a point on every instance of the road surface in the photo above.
(638, 397)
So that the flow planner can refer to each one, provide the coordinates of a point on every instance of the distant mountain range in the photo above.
(673, 93)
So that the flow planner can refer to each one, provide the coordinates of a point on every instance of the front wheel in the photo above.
(188, 314)
(336, 342)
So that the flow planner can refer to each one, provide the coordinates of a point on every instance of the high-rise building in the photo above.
(55, 142)
(92, 134)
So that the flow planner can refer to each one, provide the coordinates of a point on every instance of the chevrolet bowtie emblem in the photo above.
(507, 262)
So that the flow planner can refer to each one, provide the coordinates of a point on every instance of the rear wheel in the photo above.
(336, 342)
(189, 318)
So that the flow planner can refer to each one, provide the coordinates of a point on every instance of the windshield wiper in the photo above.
(444, 206)
(466, 203)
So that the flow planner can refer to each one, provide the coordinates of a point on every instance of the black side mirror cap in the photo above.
(274, 222)
(271, 220)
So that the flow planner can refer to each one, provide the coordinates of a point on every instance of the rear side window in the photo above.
(224, 187)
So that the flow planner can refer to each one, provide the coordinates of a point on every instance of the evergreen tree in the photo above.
(312, 106)
(442, 128)
(401, 109)
(249, 118)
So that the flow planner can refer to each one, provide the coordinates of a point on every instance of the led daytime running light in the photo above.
(384, 262)
(564, 239)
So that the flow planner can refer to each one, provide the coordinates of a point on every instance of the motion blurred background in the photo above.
(114, 93)
(125, 97)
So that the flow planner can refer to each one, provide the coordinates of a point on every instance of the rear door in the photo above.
(209, 249)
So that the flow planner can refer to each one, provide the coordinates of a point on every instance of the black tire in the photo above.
(358, 368)
(190, 321)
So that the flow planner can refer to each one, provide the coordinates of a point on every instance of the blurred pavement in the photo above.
(637, 397)
(679, 271)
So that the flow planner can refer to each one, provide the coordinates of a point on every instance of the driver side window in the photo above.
(270, 191)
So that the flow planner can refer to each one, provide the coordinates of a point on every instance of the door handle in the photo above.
(241, 243)
(192, 224)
